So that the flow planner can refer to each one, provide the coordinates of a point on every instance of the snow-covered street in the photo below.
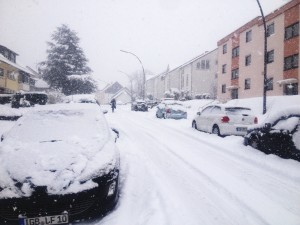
(172, 174)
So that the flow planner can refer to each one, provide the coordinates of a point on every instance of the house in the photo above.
(241, 56)
(13, 77)
(115, 90)
(196, 77)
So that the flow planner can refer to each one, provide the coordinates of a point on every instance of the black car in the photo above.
(279, 135)
(59, 165)
(139, 105)
(28, 99)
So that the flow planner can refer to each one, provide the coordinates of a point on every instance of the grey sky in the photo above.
(159, 32)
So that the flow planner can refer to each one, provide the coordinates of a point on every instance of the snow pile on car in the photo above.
(59, 146)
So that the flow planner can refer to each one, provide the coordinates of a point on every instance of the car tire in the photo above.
(216, 130)
(254, 143)
(194, 125)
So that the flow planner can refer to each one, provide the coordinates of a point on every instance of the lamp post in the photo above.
(265, 59)
(130, 79)
(144, 76)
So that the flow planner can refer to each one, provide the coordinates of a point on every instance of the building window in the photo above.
(248, 60)
(270, 84)
(225, 49)
(202, 64)
(207, 64)
(224, 88)
(235, 74)
(235, 52)
(270, 56)
(291, 31)
(291, 62)
(291, 89)
(234, 94)
(270, 29)
(249, 36)
(224, 68)
(247, 83)
(198, 65)
(1, 72)
(11, 75)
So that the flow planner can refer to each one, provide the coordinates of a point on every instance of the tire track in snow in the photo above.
(231, 200)
(188, 163)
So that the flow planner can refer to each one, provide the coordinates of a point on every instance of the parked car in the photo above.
(139, 105)
(59, 164)
(28, 99)
(224, 120)
(279, 134)
(171, 109)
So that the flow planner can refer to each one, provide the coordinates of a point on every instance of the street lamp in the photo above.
(265, 60)
(130, 79)
(144, 76)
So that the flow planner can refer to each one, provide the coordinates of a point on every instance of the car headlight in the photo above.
(112, 188)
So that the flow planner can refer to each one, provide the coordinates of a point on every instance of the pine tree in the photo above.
(66, 59)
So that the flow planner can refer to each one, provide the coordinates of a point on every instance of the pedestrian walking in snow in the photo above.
(113, 104)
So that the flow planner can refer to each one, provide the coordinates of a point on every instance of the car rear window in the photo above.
(238, 111)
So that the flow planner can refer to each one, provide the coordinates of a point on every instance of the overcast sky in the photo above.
(159, 32)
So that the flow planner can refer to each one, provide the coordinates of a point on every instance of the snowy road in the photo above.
(172, 174)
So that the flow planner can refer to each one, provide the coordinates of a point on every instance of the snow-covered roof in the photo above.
(2, 58)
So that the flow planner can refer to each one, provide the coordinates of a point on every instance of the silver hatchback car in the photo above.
(224, 120)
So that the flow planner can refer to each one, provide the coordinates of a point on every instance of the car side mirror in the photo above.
(116, 132)
(2, 137)
(198, 113)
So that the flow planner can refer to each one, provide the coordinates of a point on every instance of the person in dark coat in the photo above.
(113, 104)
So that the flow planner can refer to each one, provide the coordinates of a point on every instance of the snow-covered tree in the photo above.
(66, 59)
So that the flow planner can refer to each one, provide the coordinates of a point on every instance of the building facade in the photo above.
(194, 78)
(241, 56)
(13, 77)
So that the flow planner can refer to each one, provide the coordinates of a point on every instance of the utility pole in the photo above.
(265, 60)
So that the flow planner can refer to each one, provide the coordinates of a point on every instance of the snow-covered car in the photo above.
(27, 99)
(279, 134)
(224, 120)
(139, 105)
(59, 163)
(81, 98)
(171, 109)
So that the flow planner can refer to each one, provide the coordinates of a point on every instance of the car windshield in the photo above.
(64, 122)
(287, 124)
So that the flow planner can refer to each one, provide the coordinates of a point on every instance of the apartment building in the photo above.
(194, 78)
(241, 56)
(13, 77)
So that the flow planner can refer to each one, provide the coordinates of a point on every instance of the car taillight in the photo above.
(225, 119)
(255, 120)
(168, 110)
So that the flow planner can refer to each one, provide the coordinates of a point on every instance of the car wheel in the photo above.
(194, 125)
(253, 141)
(216, 130)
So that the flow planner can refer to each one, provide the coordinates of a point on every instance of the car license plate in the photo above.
(45, 220)
(243, 129)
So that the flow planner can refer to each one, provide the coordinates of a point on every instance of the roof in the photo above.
(3, 59)
(120, 92)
